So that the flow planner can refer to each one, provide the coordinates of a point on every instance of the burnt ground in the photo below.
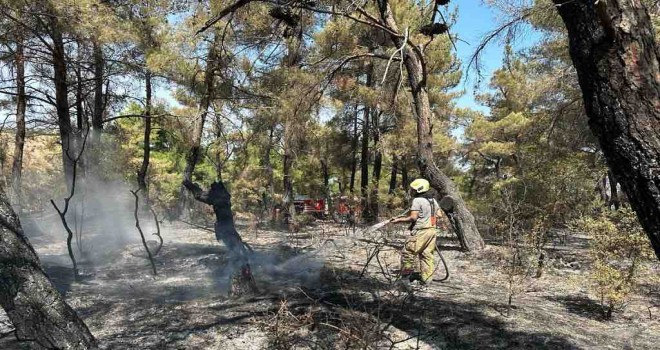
(315, 293)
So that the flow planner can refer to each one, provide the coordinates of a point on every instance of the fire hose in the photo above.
(437, 247)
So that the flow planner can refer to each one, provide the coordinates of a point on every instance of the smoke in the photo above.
(101, 215)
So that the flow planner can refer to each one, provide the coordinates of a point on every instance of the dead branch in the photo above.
(137, 225)
(434, 29)
(508, 27)
(157, 233)
(222, 13)
(156, 116)
(62, 212)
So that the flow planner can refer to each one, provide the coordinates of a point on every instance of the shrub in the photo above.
(618, 247)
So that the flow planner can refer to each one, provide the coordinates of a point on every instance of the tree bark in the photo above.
(393, 175)
(21, 106)
(291, 60)
(192, 158)
(289, 210)
(62, 100)
(193, 154)
(99, 66)
(404, 174)
(364, 154)
(364, 163)
(146, 148)
(37, 310)
(354, 143)
(378, 164)
(465, 226)
(267, 196)
(81, 117)
(613, 48)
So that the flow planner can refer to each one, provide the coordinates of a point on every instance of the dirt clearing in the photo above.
(316, 293)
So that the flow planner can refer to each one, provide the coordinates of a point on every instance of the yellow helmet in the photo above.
(420, 185)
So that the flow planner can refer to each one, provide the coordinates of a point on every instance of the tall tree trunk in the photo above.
(80, 114)
(81, 118)
(616, 56)
(194, 153)
(267, 196)
(465, 225)
(378, 164)
(62, 101)
(192, 158)
(219, 161)
(146, 148)
(393, 175)
(354, 143)
(21, 106)
(325, 169)
(99, 66)
(287, 198)
(290, 61)
(364, 163)
(36, 309)
(405, 181)
(364, 154)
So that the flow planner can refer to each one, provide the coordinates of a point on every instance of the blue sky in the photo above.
(475, 19)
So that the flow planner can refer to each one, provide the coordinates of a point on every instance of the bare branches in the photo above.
(62, 212)
(157, 233)
(143, 116)
(507, 28)
(137, 225)
(222, 13)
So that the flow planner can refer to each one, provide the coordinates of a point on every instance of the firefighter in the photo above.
(423, 214)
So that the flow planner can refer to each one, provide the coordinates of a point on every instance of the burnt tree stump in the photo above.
(241, 281)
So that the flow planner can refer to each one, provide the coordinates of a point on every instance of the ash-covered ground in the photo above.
(316, 293)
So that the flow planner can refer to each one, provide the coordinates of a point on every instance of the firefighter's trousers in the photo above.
(420, 245)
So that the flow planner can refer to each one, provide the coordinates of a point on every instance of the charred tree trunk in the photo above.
(21, 106)
(241, 280)
(378, 164)
(193, 155)
(37, 310)
(613, 48)
(367, 214)
(287, 198)
(404, 174)
(80, 96)
(99, 65)
(267, 196)
(62, 100)
(146, 148)
(465, 227)
(354, 143)
(364, 164)
(326, 182)
(393, 175)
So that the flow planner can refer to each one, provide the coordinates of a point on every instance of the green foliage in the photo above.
(618, 247)
(539, 147)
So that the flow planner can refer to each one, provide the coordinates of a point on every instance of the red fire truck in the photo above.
(305, 204)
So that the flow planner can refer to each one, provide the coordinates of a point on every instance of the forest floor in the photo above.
(316, 293)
